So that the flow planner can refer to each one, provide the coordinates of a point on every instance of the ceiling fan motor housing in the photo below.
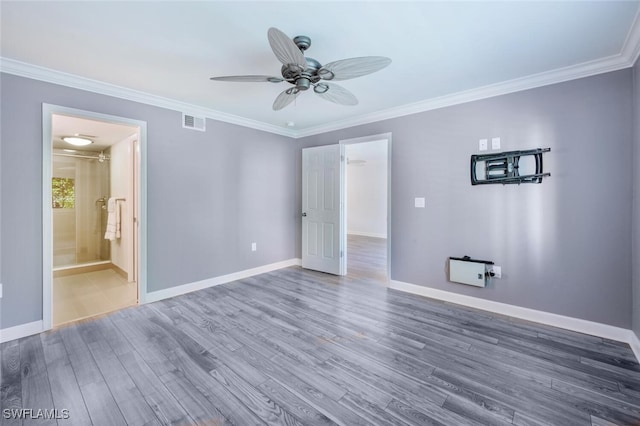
(303, 83)
(302, 79)
(303, 42)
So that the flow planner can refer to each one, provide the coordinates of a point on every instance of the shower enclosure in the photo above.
(80, 188)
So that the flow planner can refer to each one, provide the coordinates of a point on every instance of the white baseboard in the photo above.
(569, 323)
(555, 320)
(634, 342)
(367, 234)
(210, 282)
(22, 330)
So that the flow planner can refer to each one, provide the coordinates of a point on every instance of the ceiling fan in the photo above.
(304, 72)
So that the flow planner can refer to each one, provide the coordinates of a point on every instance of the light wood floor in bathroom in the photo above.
(92, 293)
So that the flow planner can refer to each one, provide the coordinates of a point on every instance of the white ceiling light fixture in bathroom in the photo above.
(77, 141)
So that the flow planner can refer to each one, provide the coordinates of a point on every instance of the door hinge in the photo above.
(341, 253)
(342, 158)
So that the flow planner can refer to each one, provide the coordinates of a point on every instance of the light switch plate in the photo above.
(495, 143)
(254, 246)
(419, 202)
(482, 144)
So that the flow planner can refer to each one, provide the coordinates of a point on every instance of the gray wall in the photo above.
(209, 194)
(636, 199)
(564, 245)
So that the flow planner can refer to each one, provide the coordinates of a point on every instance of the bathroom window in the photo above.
(64, 193)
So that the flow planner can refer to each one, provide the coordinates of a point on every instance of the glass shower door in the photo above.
(79, 217)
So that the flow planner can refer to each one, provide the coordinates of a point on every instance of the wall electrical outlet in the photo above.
(254, 246)
(495, 143)
(497, 271)
(483, 144)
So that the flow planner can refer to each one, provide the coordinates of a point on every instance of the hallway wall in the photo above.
(367, 189)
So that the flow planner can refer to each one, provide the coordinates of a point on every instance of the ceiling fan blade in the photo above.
(345, 69)
(285, 49)
(249, 78)
(285, 98)
(335, 93)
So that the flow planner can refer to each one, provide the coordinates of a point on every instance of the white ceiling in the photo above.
(439, 49)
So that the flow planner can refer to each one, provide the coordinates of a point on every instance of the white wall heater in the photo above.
(465, 270)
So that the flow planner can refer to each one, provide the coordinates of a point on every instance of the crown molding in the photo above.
(23, 69)
(585, 69)
(625, 59)
(631, 47)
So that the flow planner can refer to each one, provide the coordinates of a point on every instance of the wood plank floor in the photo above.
(297, 347)
(367, 258)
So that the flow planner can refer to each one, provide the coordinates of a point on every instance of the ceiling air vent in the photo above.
(193, 122)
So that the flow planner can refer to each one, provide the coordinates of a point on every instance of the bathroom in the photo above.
(93, 209)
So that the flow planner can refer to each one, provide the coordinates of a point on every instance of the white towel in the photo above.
(113, 220)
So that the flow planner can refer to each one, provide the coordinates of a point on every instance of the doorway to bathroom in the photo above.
(92, 210)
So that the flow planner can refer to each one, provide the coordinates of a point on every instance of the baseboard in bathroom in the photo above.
(81, 269)
(120, 271)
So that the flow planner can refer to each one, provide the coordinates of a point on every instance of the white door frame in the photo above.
(343, 201)
(48, 110)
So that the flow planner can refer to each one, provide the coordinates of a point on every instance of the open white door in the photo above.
(322, 247)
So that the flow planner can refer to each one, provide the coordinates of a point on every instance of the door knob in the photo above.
(304, 214)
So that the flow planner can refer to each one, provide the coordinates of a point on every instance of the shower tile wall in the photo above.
(122, 187)
(78, 233)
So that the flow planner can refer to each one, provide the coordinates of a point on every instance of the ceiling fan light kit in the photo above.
(304, 72)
